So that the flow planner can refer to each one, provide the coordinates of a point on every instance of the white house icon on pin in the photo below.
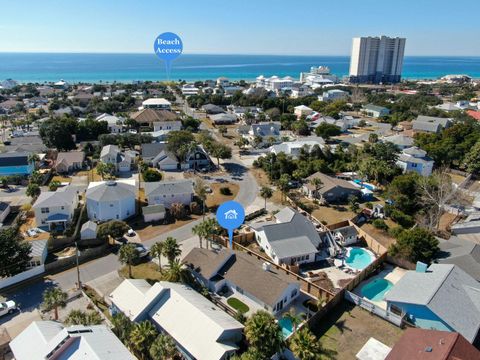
(231, 215)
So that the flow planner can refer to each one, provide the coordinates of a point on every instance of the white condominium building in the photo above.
(377, 59)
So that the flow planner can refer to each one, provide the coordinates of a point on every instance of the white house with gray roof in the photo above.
(111, 200)
(400, 141)
(430, 124)
(122, 161)
(415, 159)
(168, 192)
(51, 340)
(290, 239)
(269, 132)
(54, 209)
(294, 148)
(444, 297)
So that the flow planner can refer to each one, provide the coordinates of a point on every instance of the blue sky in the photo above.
(297, 27)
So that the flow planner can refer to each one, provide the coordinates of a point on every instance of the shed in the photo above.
(88, 230)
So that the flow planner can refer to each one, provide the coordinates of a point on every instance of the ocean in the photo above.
(83, 67)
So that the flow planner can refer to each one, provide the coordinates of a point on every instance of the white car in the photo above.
(7, 307)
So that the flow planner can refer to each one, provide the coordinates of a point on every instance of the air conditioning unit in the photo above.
(266, 266)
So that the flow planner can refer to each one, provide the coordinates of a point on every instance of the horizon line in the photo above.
(208, 53)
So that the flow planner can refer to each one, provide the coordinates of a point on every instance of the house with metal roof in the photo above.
(55, 209)
(430, 124)
(111, 200)
(375, 111)
(417, 160)
(51, 340)
(200, 329)
(290, 239)
(167, 193)
(442, 297)
(228, 271)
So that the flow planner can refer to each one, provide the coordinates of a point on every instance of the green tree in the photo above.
(122, 327)
(151, 175)
(105, 170)
(266, 193)
(79, 317)
(353, 204)
(242, 143)
(178, 142)
(176, 272)
(317, 183)
(326, 130)
(220, 151)
(264, 334)
(163, 347)
(171, 249)
(128, 254)
(305, 346)
(54, 185)
(142, 336)
(472, 159)
(157, 251)
(284, 184)
(33, 190)
(201, 192)
(14, 252)
(54, 298)
(295, 319)
(301, 127)
(416, 244)
(57, 133)
(222, 130)
(114, 228)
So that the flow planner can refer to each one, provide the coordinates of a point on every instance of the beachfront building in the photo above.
(334, 94)
(318, 76)
(275, 83)
(377, 59)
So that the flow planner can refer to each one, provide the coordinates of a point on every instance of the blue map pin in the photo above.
(168, 46)
(230, 215)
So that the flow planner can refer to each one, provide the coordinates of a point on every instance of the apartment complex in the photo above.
(377, 59)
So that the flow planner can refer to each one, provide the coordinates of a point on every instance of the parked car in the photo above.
(130, 232)
(142, 250)
(7, 307)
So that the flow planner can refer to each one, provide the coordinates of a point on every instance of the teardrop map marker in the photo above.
(230, 215)
(168, 46)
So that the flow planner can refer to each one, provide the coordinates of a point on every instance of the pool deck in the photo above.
(390, 273)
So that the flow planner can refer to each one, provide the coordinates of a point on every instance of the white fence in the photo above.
(37, 270)
(374, 309)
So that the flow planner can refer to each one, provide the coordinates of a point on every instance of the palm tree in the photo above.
(122, 327)
(263, 333)
(171, 249)
(163, 347)
(266, 193)
(177, 210)
(176, 272)
(201, 191)
(79, 317)
(199, 230)
(294, 318)
(317, 183)
(157, 251)
(142, 335)
(53, 298)
(305, 345)
(284, 185)
(33, 158)
(128, 254)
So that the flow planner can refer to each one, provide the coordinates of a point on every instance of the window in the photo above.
(117, 216)
(45, 210)
(293, 294)
(307, 257)
(63, 207)
(111, 205)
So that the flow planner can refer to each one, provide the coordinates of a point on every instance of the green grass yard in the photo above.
(238, 305)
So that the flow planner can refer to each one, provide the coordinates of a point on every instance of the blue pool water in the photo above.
(287, 327)
(358, 258)
(376, 289)
(365, 185)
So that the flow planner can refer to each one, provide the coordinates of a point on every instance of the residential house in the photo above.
(151, 151)
(153, 213)
(199, 328)
(295, 148)
(302, 110)
(442, 297)
(116, 124)
(469, 227)
(88, 230)
(55, 209)
(212, 109)
(290, 239)
(332, 190)
(69, 161)
(333, 95)
(189, 89)
(161, 129)
(474, 114)
(52, 340)
(375, 111)
(16, 163)
(122, 161)
(196, 159)
(231, 272)
(157, 103)
(342, 124)
(149, 116)
(301, 91)
(169, 192)
(430, 124)
(268, 132)
(400, 141)
(460, 252)
(111, 200)
(421, 344)
(4, 211)
(345, 235)
(415, 159)
(38, 253)
(223, 82)
(223, 119)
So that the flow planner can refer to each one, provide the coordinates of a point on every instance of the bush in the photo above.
(380, 224)
(395, 231)
(151, 175)
(225, 191)
(401, 218)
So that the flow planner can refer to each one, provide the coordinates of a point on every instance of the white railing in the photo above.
(374, 309)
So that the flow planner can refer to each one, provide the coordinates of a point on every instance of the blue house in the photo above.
(15, 163)
(442, 297)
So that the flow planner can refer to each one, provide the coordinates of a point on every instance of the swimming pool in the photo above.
(365, 185)
(287, 327)
(358, 258)
(376, 289)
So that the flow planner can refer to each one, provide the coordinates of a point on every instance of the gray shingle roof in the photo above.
(448, 291)
(463, 253)
(60, 197)
(110, 191)
(153, 209)
(152, 150)
(168, 187)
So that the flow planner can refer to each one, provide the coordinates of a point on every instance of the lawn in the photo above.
(61, 179)
(345, 330)
(147, 271)
(332, 214)
(238, 305)
(215, 198)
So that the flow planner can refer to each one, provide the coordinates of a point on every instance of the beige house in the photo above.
(69, 161)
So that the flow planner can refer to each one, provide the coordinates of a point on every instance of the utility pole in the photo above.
(78, 267)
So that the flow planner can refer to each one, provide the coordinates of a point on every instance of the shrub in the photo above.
(225, 191)
(401, 218)
(380, 224)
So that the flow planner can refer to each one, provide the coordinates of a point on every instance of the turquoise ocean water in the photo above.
(40, 67)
